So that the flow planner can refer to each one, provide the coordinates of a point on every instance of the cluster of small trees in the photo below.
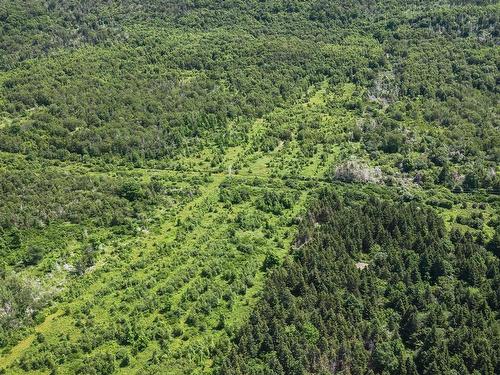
(20, 300)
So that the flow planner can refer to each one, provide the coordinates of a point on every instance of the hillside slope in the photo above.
(157, 159)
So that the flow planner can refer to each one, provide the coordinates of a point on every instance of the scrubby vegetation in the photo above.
(159, 164)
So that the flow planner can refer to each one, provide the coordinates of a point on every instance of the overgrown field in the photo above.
(159, 161)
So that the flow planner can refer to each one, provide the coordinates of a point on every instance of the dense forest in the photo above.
(249, 187)
(423, 303)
